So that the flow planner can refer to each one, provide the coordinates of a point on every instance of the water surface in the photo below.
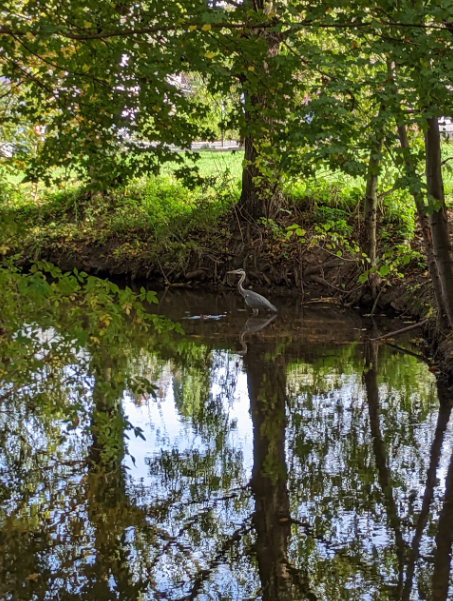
(274, 459)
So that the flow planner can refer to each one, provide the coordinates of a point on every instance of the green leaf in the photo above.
(363, 277)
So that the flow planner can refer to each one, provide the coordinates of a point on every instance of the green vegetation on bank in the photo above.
(159, 215)
(162, 215)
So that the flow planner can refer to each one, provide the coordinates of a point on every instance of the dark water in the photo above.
(288, 459)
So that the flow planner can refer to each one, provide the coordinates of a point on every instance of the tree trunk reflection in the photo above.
(108, 508)
(266, 379)
(380, 454)
(431, 476)
(444, 537)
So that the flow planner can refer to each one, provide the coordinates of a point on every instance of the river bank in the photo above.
(162, 234)
(276, 265)
(310, 250)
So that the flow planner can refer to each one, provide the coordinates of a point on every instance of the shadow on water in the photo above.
(283, 457)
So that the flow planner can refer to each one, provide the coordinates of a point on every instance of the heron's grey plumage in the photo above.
(254, 300)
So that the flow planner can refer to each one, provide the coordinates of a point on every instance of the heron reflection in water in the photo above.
(254, 300)
(253, 324)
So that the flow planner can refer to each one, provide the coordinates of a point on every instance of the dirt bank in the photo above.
(301, 261)
(311, 267)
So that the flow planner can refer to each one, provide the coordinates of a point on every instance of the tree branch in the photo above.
(387, 192)
(227, 25)
(401, 331)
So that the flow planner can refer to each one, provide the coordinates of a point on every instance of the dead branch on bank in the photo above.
(401, 331)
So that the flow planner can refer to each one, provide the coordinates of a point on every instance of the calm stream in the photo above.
(276, 459)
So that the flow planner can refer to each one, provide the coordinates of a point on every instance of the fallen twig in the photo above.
(315, 268)
(401, 331)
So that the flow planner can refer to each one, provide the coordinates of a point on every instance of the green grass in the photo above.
(215, 164)
(447, 171)
(156, 214)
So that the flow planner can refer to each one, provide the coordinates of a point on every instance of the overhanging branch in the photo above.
(227, 25)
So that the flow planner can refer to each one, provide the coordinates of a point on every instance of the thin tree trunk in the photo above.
(423, 220)
(438, 218)
(370, 216)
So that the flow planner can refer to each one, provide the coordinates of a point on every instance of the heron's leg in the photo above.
(256, 311)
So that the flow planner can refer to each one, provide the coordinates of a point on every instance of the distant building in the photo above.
(446, 126)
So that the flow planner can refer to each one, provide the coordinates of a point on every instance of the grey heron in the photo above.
(254, 300)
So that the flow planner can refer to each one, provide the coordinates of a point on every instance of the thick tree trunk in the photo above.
(252, 201)
(249, 171)
(370, 214)
(423, 220)
(260, 195)
(438, 218)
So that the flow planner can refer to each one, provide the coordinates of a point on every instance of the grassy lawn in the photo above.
(215, 164)
(159, 211)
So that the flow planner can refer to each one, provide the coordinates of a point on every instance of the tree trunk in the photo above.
(370, 216)
(423, 220)
(252, 199)
(260, 196)
(438, 218)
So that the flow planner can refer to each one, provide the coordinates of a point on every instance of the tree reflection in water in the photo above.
(266, 378)
(309, 466)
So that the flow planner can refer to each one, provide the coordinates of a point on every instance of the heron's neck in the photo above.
(241, 281)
